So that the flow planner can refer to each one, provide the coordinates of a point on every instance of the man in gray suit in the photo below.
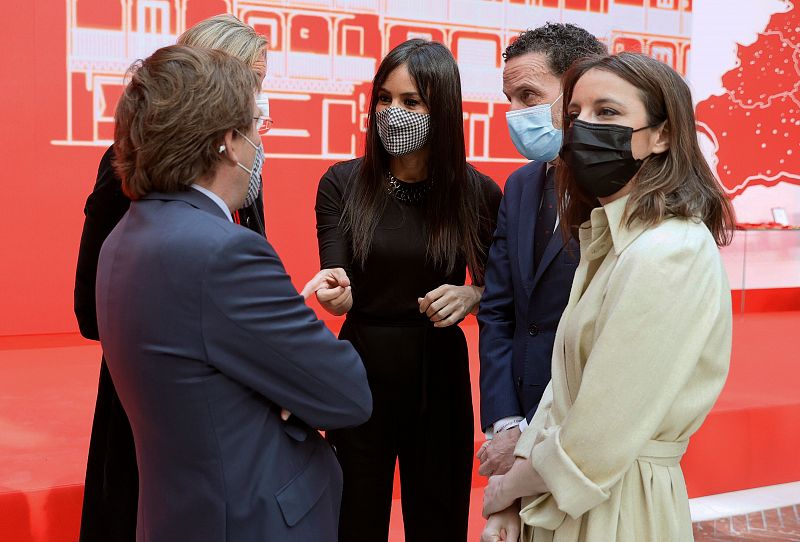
(208, 343)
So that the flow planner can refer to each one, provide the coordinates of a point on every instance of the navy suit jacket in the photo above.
(206, 339)
(521, 306)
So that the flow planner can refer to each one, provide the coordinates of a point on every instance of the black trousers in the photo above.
(422, 416)
(111, 494)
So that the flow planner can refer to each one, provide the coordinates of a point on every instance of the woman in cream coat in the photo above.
(643, 347)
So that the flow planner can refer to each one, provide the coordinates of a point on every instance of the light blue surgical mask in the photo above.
(533, 133)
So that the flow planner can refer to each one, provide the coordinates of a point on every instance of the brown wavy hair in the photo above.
(677, 182)
(173, 115)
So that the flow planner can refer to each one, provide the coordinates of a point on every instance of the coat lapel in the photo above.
(529, 208)
(554, 246)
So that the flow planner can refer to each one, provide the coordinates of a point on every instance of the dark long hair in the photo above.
(455, 208)
(677, 182)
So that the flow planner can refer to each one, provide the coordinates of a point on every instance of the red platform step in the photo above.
(48, 387)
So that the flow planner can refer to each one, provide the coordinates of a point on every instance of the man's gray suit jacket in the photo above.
(206, 340)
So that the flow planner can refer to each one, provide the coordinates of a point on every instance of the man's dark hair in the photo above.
(562, 44)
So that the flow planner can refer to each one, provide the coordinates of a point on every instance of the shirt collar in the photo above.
(607, 228)
(215, 198)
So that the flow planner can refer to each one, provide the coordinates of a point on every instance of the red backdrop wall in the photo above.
(63, 63)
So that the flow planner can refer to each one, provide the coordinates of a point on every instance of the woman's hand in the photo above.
(503, 526)
(333, 290)
(521, 481)
(495, 497)
(448, 304)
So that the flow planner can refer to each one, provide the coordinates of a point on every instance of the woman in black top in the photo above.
(397, 230)
(111, 491)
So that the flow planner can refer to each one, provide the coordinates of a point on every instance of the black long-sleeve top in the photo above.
(397, 270)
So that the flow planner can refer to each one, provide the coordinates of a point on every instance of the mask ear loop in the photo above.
(643, 160)
(649, 126)
(246, 139)
(654, 125)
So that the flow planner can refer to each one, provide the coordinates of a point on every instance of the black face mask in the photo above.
(599, 156)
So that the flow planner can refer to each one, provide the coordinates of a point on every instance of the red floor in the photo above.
(48, 386)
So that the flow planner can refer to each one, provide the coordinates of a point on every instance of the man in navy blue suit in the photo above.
(530, 268)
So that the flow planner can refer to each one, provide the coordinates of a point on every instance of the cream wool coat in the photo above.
(641, 354)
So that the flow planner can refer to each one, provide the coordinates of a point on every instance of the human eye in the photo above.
(531, 98)
(384, 98)
(410, 102)
(608, 112)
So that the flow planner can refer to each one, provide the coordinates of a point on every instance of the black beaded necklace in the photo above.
(410, 193)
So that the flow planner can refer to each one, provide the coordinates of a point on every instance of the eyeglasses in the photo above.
(263, 124)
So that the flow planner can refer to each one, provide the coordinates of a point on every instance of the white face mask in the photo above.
(254, 184)
(402, 131)
(262, 102)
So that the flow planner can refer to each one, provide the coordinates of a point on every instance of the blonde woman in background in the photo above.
(111, 489)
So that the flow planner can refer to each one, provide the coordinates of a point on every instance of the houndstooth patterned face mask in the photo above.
(402, 131)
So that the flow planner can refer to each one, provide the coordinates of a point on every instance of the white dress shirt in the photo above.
(215, 198)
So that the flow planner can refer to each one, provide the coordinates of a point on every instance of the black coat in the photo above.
(111, 489)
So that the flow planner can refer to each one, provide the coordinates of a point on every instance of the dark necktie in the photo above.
(546, 218)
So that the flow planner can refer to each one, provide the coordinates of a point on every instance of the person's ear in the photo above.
(661, 143)
(557, 111)
(226, 148)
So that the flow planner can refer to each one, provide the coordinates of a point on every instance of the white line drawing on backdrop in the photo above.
(324, 53)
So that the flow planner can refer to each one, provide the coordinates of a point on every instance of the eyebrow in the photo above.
(601, 101)
(528, 86)
(404, 94)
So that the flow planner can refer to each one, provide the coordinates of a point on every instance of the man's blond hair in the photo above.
(228, 34)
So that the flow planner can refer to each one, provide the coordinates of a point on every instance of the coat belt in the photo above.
(662, 452)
